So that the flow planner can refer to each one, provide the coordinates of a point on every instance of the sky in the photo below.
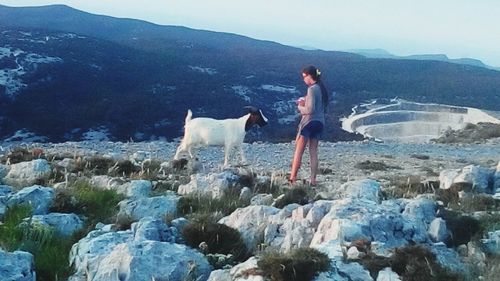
(457, 28)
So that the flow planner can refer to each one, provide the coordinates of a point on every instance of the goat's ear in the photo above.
(251, 109)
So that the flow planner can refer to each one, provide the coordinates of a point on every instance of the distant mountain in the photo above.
(381, 53)
(69, 75)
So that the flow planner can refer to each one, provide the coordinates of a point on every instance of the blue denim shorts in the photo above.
(313, 130)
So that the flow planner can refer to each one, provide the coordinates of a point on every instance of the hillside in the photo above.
(65, 73)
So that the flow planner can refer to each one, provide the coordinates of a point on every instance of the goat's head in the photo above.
(256, 118)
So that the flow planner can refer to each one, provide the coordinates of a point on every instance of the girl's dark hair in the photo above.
(316, 76)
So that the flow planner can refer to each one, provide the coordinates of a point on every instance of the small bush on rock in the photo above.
(299, 265)
(203, 204)
(299, 195)
(418, 263)
(462, 228)
(217, 238)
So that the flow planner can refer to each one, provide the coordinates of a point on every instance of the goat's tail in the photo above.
(188, 116)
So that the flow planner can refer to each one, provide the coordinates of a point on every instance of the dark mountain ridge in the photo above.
(137, 79)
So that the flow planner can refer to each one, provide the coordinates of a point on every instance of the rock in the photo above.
(5, 190)
(251, 222)
(135, 188)
(63, 224)
(106, 182)
(152, 260)
(240, 271)
(477, 176)
(149, 228)
(156, 207)
(246, 194)
(387, 274)
(491, 244)
(496, 180)
(220, 275)
(438, 230)
(448, 259)
(366, 189)
(39, 197)
(18, 266)
(213, 185)
(87, 253)
(67, 164)
(354, 271)
(3, 171)
(420, 209)
(28, 173)
(354, 254)
(262, 199)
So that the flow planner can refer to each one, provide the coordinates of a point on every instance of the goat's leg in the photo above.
(227, 151)
(180, 149)
(242, 155)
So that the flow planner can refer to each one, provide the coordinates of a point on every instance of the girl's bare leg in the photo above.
(313, 154)
(300, 145)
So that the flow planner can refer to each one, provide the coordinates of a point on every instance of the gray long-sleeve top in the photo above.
(313, 108)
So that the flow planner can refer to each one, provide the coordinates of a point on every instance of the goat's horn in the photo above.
(251, 108)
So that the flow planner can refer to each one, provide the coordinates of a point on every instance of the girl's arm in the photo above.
(308, 108)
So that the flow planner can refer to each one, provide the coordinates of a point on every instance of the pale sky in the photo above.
(457, 28)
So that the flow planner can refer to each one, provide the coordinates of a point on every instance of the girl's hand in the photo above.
(301, 101)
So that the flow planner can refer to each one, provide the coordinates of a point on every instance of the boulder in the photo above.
(149, 228)
(491, 244)
(87, 253)
(476, 176)
(449, 259)
(251, 222)
(5, 190)
(262, 199)
(63, 224)
(39, 197)
(135, 188)
(28, 173)
(106, 182)
(245, 194)
(18, 266)
(245, 271)
(213, 185)
(365, 189)
(151, 260)
(438, 230)
(3, 171)
(156, 207)
(387, 274)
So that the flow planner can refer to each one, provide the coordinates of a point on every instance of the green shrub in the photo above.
(50, 251)
(219, 238)
(11, 234)
(96, 165)
(301, 264)
(489, 222)
(374, 166)
(204, 204)
(95, 204)
(418, 263)
(462, 228)
(299, 195)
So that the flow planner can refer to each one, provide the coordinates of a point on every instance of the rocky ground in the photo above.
(339, 162)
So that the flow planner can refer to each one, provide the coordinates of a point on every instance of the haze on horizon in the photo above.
(457, 28)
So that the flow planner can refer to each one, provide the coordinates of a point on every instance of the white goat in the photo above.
(212, 132)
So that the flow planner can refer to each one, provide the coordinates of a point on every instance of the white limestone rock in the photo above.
(262, 199)
(491, 244)
(18, 266)
(152, 260)
(251, 222)
(157, 207)
(477, 176)
(245, 194)
(135, 188)
(63, 224)
(438, 230)
(149, 228)
(39, 197)
(106, 182)
(28, 173)
(213, 185)
(365, 189)
(387, 274)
